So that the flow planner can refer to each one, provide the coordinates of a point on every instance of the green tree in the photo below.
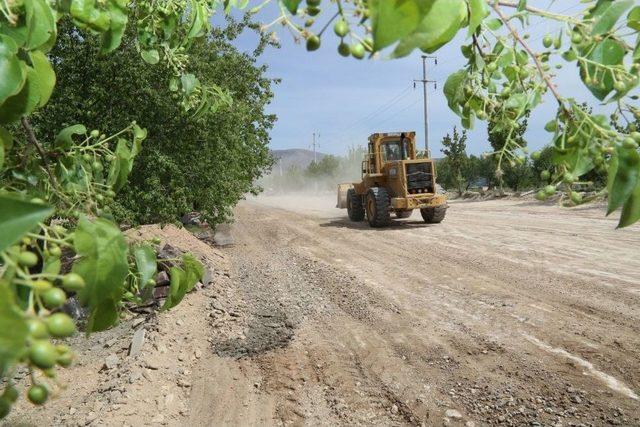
(219, 155)
(455, 147)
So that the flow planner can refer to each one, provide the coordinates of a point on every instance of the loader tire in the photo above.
(354, 206)
(378, 203)
(434, 215)
(403, 214)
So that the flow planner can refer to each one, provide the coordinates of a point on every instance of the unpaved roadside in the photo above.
(508, 312)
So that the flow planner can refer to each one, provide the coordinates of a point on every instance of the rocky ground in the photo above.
(508, 313)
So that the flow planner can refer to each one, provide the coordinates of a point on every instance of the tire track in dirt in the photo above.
(423, 321)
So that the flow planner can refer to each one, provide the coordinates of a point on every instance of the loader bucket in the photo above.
(342, 195)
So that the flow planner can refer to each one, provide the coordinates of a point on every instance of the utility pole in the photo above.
(315, 144)
(424, 82)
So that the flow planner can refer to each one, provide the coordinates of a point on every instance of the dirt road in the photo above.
(508, 312)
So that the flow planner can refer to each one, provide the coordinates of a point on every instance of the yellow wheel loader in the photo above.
(394, 180)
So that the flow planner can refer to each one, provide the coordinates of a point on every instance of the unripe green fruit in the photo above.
(54, 250)
(27, 259)
(11, 394)
(568, 178)
(620, 86)
(635, 136)
(38, 394)
(358, 51)
(41, 285)
(576, 38)
(313, 43)
(65, 360)
(341, 28)
(60, 325)
(95, 133)
(87, 157)
(570, 56)
(551, 126)
(576, 198)
(492, 66)
(37, 329)
(314, 3)
(54, 298)
(547, 41)
(343, 49)
(73, 282)
(550, 190)
(43, 354)
(535, 155)
(541, 195)
(545, 175)
(313, 11)
(5, 407)
(629, 143)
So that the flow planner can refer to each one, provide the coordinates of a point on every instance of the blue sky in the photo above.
(345, 100)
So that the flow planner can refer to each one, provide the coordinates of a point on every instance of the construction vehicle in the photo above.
(394, 180)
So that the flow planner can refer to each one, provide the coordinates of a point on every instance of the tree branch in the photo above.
(534, 10)
(532, 54)
(31, 137)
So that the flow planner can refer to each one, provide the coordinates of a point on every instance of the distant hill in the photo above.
(295, 156)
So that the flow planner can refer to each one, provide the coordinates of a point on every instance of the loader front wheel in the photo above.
(354, 206)
(378, 212)
(434, 215)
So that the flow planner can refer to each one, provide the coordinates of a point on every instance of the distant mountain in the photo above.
(294, 157)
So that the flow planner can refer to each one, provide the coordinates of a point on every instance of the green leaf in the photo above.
(478, 10)
(40, 22)
(607, 14)
(13, 329)
(46, 75)
(624, 170)
(189, 83)
(64, 139)
(392, 20)
(453, 89)
(194, 270)
(146, 263)
(150, 56)
(103, 265)
(23, 103)
(631, 208)
(633, 18)
(291, 5)
(17, 218)
(606, 52)
(183, 280)
(177, 288)
(438, 27)
(12, 69)
(118, 22)
(122, 165)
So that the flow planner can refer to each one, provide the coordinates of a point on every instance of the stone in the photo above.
(111, 362)
(394, 409)
(162, 279)
(191, 218)
(222, 236)
(137, 342)
(452, 413)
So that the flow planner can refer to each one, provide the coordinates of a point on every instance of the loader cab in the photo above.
(388, 147)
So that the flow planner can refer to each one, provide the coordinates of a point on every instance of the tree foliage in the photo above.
(219, 155)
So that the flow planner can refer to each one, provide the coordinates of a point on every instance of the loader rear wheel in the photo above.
(354, 206)
(378, 212)
(434, 215)
(403, 214)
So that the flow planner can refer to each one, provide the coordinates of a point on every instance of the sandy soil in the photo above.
(508, 312)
